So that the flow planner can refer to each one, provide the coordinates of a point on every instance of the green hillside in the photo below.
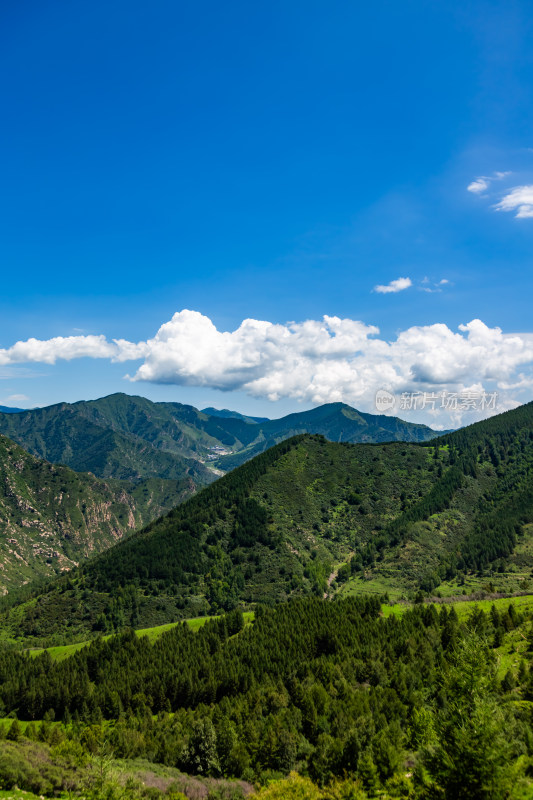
(363, 699)
(51, 518)
(427, 704)
(310, 516)
(404, 515)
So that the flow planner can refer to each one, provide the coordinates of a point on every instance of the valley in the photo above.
(295, 626)
(452, 516)
(144, 457)
(131, 438)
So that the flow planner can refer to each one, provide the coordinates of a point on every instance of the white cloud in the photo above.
(481, 184)
(315, 361)
(64, 347)
(519, 199)
(190, 350)
(478, 186)
(394, 286)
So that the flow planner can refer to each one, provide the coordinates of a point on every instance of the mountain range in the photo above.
(133, 460)
(132, 438)
(309, 516)
(338, 422)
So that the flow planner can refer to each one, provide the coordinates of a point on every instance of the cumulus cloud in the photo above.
(394, 286)
(191, 350)
(64, 347)
(520, 200)
(315, 361)
(48, 351)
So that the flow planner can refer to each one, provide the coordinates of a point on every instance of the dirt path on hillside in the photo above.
(330, 580)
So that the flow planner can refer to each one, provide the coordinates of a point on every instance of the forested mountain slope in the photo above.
(312, 516)
(116, 437)
(270, 529)
(51, 518)
(405, 706)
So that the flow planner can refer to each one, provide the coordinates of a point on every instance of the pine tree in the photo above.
(473, 756)
(15, 731)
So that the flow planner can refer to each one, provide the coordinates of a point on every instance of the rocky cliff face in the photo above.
(51, 518)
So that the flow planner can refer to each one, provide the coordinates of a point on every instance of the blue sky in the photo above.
(274, 162)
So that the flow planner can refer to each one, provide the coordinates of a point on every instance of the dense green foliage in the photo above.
(475, 519)
(327, 688)
(506, 443)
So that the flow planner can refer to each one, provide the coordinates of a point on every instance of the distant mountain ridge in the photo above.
(338, 422)
(115, 437)
(132, 438)
(10, 410)
(225, 413)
